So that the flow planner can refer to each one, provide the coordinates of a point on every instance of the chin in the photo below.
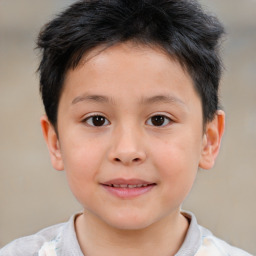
(130, 226)
(129, 222)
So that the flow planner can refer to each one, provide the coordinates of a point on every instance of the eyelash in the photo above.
(166, 120)
(162, 117)
(86, 120)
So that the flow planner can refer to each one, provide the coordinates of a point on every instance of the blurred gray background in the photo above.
(33, 195)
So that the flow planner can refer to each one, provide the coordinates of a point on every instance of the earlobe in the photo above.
(211, 141)
(52, 142)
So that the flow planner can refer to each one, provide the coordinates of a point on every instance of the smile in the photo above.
(128, 189)
(128, 185)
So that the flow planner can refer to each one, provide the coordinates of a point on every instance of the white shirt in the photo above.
(61, 240)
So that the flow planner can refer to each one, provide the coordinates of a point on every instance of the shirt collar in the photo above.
(191, 244)
(192, 240)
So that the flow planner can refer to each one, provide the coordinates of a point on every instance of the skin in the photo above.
(132, 82)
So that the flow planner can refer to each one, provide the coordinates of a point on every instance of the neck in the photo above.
(162, 238)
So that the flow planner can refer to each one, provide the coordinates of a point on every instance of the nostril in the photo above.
(117, 160)
(136, 160)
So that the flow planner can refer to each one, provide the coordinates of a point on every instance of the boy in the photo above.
(130, 90)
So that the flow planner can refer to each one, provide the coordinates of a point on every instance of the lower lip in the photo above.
(128, 193)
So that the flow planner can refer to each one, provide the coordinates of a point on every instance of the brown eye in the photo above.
(158, 120)
(97, 120)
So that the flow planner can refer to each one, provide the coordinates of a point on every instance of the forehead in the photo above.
(128, 68)
(130, 52)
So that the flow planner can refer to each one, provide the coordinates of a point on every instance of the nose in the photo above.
(127, 147)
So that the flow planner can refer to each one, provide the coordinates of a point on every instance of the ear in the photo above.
(52, 141)
(212, 140)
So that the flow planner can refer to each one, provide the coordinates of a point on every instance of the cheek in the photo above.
(82, 161)
(81, 154)
(177, 165)
(179, 154)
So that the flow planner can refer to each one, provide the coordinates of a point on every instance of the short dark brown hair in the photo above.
(180, 27)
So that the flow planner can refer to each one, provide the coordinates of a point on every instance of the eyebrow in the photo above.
(162, 98)
(95, 98)
(144, 101)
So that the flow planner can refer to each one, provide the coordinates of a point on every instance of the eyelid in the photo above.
(90, 115)
(165, 115)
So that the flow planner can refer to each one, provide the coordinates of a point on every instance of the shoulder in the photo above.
(31, 245)
(200, 241)
(213, 246)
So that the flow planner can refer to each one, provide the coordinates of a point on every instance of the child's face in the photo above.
(129, 116)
